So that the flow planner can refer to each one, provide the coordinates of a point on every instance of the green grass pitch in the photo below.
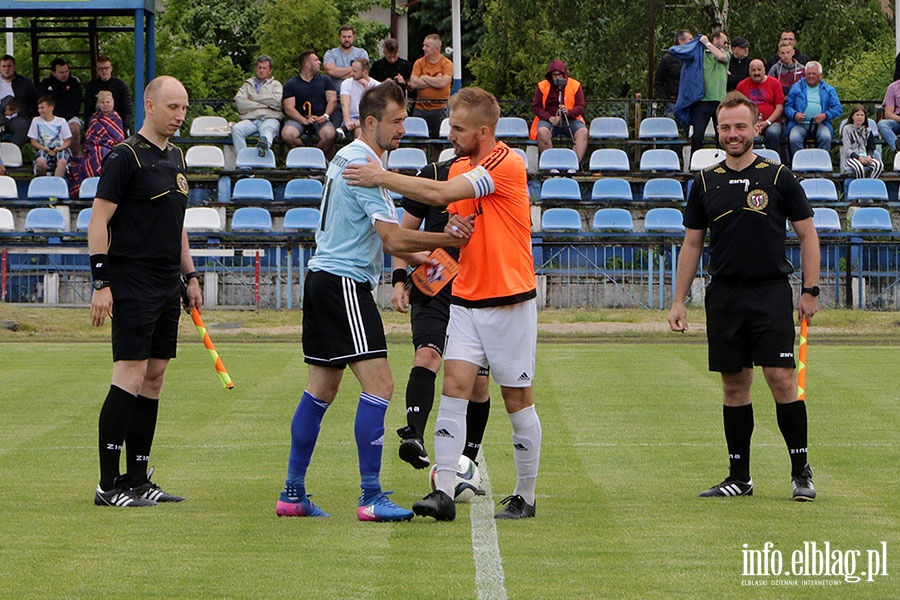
(632, 432)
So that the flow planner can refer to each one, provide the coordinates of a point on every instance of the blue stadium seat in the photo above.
(301, 219)
(560, 159)
(826, 220)
(768, 154)
(663, 189)
(84, 217)
(812, 160)
(202, 218)
(252, 189)
(664, 220)
(861, 190)
(416, 127)
(251, 218)
(661, 159)
(613, 219)
(560, 188)
(611, 189)
(204, 157)
(7, 223)
(524, 156)
(249, 158)
(512, 127)
(45, 219)
(608, 128)
(560, 219)
(609, 159)
(819, 190)
(871, 218)
(656, 128)
(47, 186)
(406, 159)
(303, 190)
(311, 158)
(88, 188)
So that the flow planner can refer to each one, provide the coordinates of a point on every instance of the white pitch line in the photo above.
(490, 581)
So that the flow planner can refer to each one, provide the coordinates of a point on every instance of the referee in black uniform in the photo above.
(744, 202)
(139, 254)
(428, 319)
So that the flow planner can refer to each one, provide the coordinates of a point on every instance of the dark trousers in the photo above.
(701, 113)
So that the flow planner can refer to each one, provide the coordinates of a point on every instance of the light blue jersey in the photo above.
(347, 244)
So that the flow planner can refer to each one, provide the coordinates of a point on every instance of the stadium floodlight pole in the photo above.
(801, 359)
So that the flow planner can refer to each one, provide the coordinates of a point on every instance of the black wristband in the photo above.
(100, 267)
(398, 276)
(191, 275)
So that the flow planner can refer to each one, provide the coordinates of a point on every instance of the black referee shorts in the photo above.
(146, 309)
(341, 322)
(749, 325)
(428, 319)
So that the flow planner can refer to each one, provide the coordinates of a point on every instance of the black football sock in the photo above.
(113, 421)
(419, 398)
(139, 437)
(793, 425)
(738, 431)
(476, 421)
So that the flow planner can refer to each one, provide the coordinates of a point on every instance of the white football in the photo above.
(468, 480)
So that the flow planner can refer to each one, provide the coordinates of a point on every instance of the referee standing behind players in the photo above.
(139, 253)
(744, 202)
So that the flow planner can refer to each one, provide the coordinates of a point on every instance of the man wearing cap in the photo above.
(739, 66)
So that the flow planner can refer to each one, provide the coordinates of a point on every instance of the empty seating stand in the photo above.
(557, 220)
(253, 190)
(611, 189)
(309, 158)
(608, 128)
(609, 159)
(304, 191)
(251, 218)
(613, 219)
(664, 220)
(45, 220)
(562, 160)
(560, 188)
(48, 187)
(301, 219)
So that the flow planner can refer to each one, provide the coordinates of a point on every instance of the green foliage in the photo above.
(230, 25)
(865, 74)
(285, 31)
(218, 79)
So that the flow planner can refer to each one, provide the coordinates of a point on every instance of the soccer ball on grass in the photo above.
(468, 480)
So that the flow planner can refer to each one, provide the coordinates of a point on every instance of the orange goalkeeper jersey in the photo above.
(496, 266)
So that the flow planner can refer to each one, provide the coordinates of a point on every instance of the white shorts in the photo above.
(503, 338)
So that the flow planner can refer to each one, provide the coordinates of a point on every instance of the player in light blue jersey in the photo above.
(341, 322)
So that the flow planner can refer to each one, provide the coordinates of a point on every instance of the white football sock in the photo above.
(526, 438)
(449, 441)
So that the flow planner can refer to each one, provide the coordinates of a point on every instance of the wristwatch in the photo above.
(191, 275)
(812, 291)
(99, 284)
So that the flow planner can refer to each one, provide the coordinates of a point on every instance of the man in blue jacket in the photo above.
(810, 107)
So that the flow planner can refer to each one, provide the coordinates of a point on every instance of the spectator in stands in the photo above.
(790, 38)
(338, 62)
(51, 137)
(105, 130)
(787, 70)
(889, 125)
(351, 91)
(431, 77)
(558, 108)
(858, 148)
(809, 107)
(391, 66)
(308, 102)
(105, 81)
(668, 74)
(259, 105)
(66, 91)
(739, 65)
(765, 92)
(703, 82)
(13, 85)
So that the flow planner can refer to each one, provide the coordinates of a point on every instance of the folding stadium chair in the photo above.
(416, 127)
(45, 219)
(658, 128)
(444, 130)
(83, 220)
(88, 188)
(8, 188)
(613, 219)
(609, 159)
(301, 219)
(768, 154)
(611, 189)
(866, 190)
(512, 127)
(608, 128)
(819, 190)
(204, 157)
(11, 155)
(559, 159)
(249, 158)
(661, 159)
(446, 154)
(202, 218)
(706, 157)
(560, 188)
(47, 186)
(826, 220)
(871, 218)
(560, 219)
(812, 160)
(406, 159)
(307, 157)
(254, 189)
(303, 190)
(251, 218)
(7, 223)
(664, 220)
(663, 189)
(210, 127)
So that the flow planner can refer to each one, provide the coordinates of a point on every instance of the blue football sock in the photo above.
(369, 431)
(304, 433)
